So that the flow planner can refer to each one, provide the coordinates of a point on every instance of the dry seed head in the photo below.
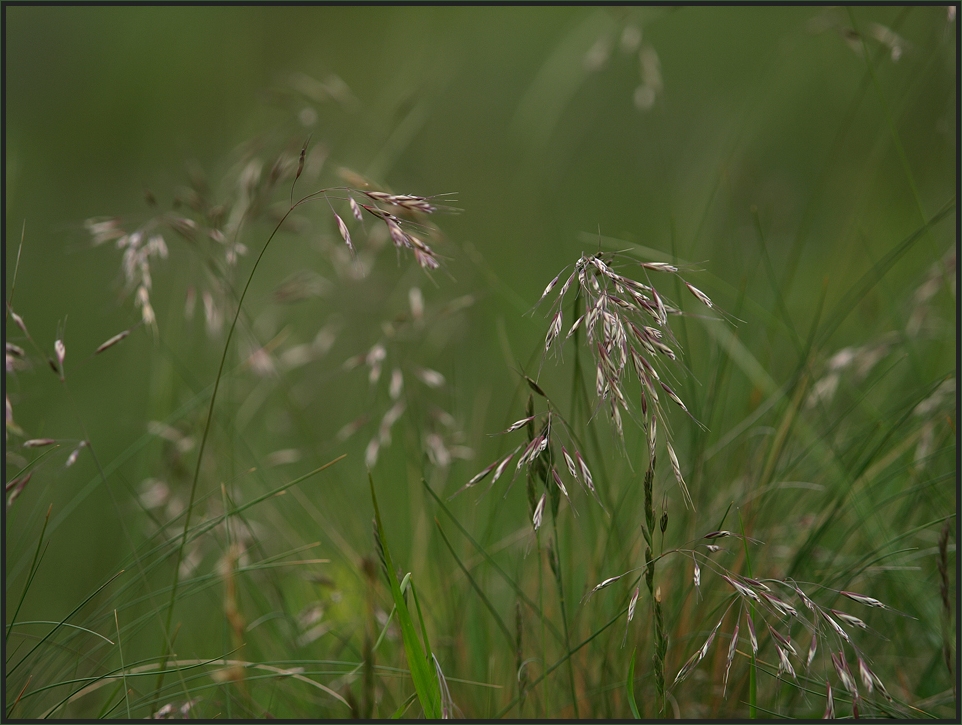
(751, 632)
(19, 320)
(478, 477)
(605, 583)
(811, 650)
(701, 296)
(519, 424)
(345, 234)
(370, 453)
(16, 488)
(783, 608)
(731, 656)
(397, 384)
(711, 638)
(676, 469)
(416, 302)
(501, 466)
(632, 603)
(559, 483)
(829, 702)
(72, 458)
(569, 462)
(784, 664)
(783, 641)
(849, 619)
(356, 210)
(866, 674)
(835, 625)
(696, 578)
(112, 341)
(686, 668)
(717, 535)
(548, 289)
(538, 512)
(585, 473)
(862, 599)
(61, 354)
(841, 669)
(553, 329)
(39, 442)
(431, 378)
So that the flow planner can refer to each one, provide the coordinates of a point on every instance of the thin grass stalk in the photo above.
(554, 560)
(497, 567)
(507, 708)
(123, 669)
(658, 622)
(34, 566)
(480, 592)
(203, 446)
(752, 669)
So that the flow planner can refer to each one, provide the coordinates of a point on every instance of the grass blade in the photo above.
(425, 682)
(630, 687)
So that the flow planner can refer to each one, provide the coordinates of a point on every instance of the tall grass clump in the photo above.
(334, 452)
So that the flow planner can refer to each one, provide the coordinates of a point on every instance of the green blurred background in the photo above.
(555, 136)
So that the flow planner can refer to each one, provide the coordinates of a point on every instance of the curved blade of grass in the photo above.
(399, 713)
(63, 624)
(425, 681)
(487, 557)
(34, 566)
(630, 687)
(123, 668)
(544, 675)
(477, 588)
(64, 620)
(867, 281)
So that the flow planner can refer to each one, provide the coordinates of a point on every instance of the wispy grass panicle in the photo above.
(627, 333)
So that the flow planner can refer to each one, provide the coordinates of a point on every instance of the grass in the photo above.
(643, 486)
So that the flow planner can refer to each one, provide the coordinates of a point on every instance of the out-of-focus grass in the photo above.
(802, 172)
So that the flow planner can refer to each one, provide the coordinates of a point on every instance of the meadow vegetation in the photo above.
(315, 442)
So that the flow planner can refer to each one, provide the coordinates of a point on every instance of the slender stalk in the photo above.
(554, 559)
(752, 670)
(203, 440)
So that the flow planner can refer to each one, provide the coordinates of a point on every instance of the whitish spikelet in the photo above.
(570, 463)
(731, 656)
(501, 466)
(784, 664)
(548, 289)
(606, 583)
(632, 603)
(829, 702)
(676, 469)
(553, 329)
(701, 296)
(538, 512)
(397, 384)
(431, 378)
(61, 352)
(72, 458)
(345, 234)
(862, 599)
(811, 650)
(112, 341)
(751, 633)
(519, 424)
